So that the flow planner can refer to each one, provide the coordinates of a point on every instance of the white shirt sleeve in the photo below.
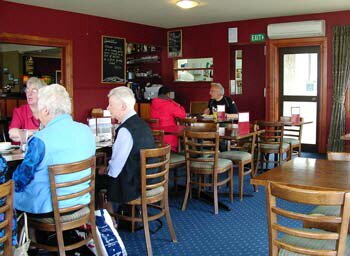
(120, 152)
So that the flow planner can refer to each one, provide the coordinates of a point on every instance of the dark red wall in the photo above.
(85, 31)
(211, 40)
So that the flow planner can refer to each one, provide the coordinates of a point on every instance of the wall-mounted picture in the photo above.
(175, 43)
(113, 60)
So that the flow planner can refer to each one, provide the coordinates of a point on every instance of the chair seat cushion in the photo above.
(236, 155)
(208, 166)
(326, 210)
(291, 141)
(176, 158)
(311, 243)
(285, 146)
(65, 218)
(155, 191)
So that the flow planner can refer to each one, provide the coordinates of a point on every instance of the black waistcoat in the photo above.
(127, 186)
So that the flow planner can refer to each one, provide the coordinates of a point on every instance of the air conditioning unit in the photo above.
(310, 28)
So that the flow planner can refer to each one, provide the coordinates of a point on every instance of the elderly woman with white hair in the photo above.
(26, 116)
(61, 141)
(216, 93)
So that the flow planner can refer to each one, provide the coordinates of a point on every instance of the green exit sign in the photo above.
(257, 37)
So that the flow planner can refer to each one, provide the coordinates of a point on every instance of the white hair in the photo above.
(55, 99)
(123, 94)
(36, 82)
(219, 86)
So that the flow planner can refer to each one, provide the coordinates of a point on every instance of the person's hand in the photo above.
(15, 134)
(206, 111)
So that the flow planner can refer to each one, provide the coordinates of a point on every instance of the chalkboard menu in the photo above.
(175, 43)
(113, 60)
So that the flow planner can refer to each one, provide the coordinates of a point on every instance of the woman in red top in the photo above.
(26, 116)
(166, 110)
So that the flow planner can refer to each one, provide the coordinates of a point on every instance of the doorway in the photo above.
(273, 111)
(299, 89)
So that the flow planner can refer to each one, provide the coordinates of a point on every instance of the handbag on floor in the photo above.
(110, 242)
(23, 243)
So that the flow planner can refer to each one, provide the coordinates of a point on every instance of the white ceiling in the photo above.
(164, 13)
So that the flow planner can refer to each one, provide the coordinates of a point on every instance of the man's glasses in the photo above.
(33, 91)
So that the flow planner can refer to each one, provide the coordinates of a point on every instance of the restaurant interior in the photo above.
(285, 68)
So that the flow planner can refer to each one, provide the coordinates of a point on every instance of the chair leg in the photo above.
(252, 174)
(241, 179)
(216, 201)
(168, 219)
(231, 184)
(199, 186)
(257, 163)
(146, 229)
(60, 242)
(133, 218)
(188, 187)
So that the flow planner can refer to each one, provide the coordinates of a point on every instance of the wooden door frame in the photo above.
(273, 86)
(67, 53)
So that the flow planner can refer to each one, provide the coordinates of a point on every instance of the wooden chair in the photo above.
(271, 142)
(292, 135)
(6, 210)
(243, 157)
(187, 121)
(303, 240)
(158, 136)
(101, 169)
(338, 156)
(152, 122)
(202, 161)
(198, 107)
(70, 217)
(154, 190)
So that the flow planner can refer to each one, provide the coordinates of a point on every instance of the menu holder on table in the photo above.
(101, 128)
(243, 122)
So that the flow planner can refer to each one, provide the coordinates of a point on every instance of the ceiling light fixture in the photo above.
(187, 4)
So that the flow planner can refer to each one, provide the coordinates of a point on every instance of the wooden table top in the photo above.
(309, 173)
(345, 137)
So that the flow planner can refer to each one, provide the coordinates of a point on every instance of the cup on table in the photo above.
(24, 139)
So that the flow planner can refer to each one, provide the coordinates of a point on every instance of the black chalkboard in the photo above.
(113, 59)
(175, 43)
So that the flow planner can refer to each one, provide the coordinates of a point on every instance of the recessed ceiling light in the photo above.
(187, 4)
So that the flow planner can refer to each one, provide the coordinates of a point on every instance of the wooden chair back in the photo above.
(158, 136)
(312, 197)
(152, 122)
(6, 210)
(187, 121)
(272, 135)
(198, 107)
(202, 147)
(292, 131)
(154, 170)
(59, 181)
(338, 156)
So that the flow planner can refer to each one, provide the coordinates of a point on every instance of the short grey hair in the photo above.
(219, 86)
(36, 82)
(55, 99)
(125, 95)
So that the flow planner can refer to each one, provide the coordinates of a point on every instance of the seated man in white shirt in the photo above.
(132, 135)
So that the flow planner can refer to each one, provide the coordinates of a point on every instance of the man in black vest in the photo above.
(218, 98)
(132, 135)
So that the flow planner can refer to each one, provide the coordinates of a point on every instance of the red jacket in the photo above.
(166, 110)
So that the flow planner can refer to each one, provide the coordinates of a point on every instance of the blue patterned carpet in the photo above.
(241, 231)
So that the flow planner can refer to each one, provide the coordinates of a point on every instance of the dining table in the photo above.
(345, 136)
(309, 173)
